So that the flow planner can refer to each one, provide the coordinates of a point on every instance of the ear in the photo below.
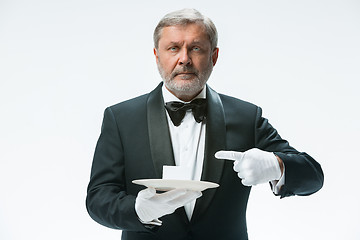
(156, 55)
(215, 55)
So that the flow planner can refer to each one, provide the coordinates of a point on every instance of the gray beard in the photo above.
(189, 89)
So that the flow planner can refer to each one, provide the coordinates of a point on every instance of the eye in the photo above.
(196, 49)
(173, 49)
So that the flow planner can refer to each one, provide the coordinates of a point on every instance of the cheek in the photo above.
(203, 63)
(168, 64)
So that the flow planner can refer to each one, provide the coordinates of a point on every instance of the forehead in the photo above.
(184, 33)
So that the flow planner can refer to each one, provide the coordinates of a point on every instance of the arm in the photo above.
(303, 175)
(107, 201)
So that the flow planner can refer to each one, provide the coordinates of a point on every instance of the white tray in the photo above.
(169, 184)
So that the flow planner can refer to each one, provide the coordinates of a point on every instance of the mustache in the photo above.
(185, 69)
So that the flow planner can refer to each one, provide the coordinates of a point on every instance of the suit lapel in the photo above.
(215, 141)
(159, 136)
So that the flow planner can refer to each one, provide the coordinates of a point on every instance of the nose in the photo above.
(184, 58)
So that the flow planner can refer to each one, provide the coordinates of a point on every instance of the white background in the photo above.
(63, 62)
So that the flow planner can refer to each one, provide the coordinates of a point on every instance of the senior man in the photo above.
(185, 124)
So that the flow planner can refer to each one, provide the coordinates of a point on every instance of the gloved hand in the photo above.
(254, 166)
(149, 205)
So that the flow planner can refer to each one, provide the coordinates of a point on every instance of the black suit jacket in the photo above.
(135, 144)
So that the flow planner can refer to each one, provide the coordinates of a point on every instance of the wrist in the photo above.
(281, 164)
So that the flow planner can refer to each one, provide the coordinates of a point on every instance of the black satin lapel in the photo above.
(215, 141)
(159, 136)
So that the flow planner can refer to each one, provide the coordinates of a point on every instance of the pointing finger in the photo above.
(230, 155)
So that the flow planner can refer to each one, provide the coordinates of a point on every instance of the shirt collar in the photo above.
(168, 96)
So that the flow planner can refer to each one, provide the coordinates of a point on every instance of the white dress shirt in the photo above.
(188, 142)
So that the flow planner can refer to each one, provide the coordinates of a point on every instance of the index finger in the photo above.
(229, 155)
(170, 195)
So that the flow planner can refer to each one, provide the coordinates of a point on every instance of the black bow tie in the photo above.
(177, 110)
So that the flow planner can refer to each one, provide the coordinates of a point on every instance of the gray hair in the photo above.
(184, 17)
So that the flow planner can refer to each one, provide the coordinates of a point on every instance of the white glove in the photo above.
(254, 166)
(149, 205)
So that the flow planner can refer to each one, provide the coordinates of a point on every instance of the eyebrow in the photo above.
(198, 42)
(181, 42)
(175, 43)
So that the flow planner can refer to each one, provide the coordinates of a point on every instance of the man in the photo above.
(142, 137)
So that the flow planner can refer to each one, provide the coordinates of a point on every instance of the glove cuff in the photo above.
(155, 222)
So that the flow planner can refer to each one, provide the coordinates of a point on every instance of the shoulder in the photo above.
(229, 100)
(128, 110)
(237, 106)
(135, 104)
(130, 104)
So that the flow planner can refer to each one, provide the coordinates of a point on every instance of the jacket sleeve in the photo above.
(303, 175)
(107, 201)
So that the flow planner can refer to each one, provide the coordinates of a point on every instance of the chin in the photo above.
(185, 86)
